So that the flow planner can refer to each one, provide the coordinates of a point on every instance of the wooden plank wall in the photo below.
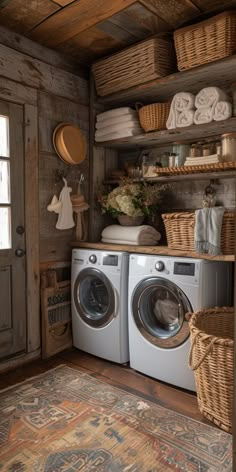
(32, 74)
(178, 197)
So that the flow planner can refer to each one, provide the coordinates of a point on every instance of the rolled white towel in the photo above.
(130, 243)
(203, 115)
(209, 96)
(185, 118)
(125, 133)
(222, 111)
(131, 233)
(181, 101)
(184, 101)
(107, 115)
(118, 119)
(131, 125)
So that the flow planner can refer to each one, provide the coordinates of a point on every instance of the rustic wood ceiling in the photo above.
(85, 30)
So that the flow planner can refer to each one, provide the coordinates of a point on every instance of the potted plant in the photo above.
(130, 203)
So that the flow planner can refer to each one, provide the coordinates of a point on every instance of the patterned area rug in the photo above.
(66, 421)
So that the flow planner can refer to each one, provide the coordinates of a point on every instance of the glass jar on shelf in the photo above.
(182, 151)
(228, 144)
(196, 150)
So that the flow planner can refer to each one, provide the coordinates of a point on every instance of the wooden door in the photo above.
(12, 232)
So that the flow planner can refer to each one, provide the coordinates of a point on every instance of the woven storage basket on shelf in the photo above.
(180, 231)
(154, 117)
(211, 358)
(207, 41)
(137, 64)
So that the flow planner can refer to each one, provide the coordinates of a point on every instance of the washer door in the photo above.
(159, 307)
(94, 298)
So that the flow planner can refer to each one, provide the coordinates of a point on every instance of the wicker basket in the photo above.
(207, 41)
(180, 231)
(137, 64)
(211, 358)
(154, 117)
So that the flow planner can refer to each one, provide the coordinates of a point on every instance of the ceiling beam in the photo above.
(76, 18)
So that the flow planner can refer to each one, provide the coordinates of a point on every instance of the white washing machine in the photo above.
(161, 291)
(100, 303)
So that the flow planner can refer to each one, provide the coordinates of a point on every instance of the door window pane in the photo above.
(4, 182)
(5, 228)
(4, 136)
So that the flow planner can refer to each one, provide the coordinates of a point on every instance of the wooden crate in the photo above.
(56, 314)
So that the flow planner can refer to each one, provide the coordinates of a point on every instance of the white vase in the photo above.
(126, 220)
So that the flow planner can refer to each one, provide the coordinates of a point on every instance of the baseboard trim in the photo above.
(18, 361)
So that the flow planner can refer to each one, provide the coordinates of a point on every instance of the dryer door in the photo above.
(159, 307)
(94, 298)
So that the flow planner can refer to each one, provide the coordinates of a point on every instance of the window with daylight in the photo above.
(5, 193)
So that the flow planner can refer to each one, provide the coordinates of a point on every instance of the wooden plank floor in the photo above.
(121, 376)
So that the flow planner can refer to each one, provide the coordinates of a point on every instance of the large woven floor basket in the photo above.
(180, 231)
(137, 64)
(211, 358)
(207, 41)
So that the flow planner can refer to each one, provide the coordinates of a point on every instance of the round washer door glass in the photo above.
(159, 307)
(94, 297)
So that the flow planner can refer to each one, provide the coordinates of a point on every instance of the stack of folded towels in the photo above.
(117, 123)
(196, 161)
(143, 235)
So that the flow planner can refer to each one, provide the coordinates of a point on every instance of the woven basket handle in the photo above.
(200, 361)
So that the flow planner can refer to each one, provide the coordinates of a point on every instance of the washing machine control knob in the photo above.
(93, 258)
(159, 266)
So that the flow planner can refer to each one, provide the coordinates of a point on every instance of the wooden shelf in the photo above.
(218, 73)
(160, 138)
(156, 250)
(226, 174)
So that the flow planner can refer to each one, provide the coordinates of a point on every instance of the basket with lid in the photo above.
(211, 359)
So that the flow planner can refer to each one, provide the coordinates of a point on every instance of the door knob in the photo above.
(19, 252)
(20, 229)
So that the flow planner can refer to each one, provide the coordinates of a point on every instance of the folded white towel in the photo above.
(211, 156)
(202, 163)
(209, 96)
(132, 116)
(130, 243)
(181, 102)
(118, 127)
(222, 111)
(207, 232)
(106, 115)
(191, 161)
(131, 233)
(120, 134)
(203, 115)
(185, 118)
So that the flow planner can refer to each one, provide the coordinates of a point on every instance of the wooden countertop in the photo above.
(158, 250)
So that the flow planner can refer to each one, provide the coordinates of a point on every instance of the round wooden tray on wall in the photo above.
(69, 143)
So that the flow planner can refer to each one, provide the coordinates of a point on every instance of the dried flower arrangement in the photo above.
(132, 199)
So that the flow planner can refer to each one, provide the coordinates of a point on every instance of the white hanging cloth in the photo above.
(65, 217)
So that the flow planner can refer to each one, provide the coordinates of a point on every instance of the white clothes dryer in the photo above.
(161, 291)
(100, 303)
